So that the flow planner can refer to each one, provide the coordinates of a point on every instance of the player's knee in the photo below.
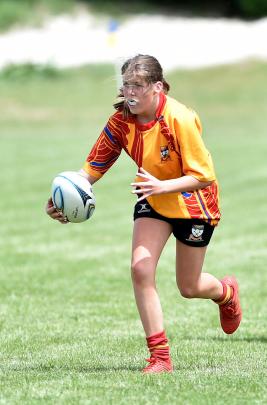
(187, 291)
(142, 275)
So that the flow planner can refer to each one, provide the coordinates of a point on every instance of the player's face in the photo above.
(141, 97)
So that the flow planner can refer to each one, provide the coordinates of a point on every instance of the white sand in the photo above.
(68, 41)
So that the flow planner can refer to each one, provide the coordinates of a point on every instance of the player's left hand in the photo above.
(54, 213)
(150, 185)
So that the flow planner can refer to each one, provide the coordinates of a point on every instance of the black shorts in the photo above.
(192, 232)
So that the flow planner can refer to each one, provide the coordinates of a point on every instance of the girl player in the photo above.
(177, 193)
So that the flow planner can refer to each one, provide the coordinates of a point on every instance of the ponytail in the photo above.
(120, 105)
(166, 86)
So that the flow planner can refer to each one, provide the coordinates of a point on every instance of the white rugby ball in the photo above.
(72, 194)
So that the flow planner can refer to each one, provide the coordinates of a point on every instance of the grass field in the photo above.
(70, 333)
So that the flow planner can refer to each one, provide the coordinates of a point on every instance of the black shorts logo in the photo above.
(196, 233)
(143, 208)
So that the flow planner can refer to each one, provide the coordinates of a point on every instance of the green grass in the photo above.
(31, 12)
(70, 333)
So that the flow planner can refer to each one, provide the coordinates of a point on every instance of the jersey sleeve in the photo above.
(195, 158)
(104, 153)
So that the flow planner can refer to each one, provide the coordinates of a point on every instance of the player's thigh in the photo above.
(149, 238)
(189, 263)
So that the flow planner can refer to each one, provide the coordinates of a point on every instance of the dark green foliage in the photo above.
(251, 8)
(228, 8)
(35, 11)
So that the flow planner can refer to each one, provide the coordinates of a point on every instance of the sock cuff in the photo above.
(226, 295)
(158, 339)
(158, 346)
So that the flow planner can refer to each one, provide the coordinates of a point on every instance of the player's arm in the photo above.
(92, 179)
(102, 156)
(104, 153)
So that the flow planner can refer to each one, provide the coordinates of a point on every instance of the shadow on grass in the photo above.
(230, 338)
(75, 369)
(261, 339)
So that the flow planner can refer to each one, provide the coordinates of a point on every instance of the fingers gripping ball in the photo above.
(72, 194)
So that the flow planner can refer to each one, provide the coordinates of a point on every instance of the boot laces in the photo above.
(230, 309)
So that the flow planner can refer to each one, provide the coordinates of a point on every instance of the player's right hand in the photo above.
(54, 213)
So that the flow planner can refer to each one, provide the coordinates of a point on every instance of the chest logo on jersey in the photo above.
(164, 153)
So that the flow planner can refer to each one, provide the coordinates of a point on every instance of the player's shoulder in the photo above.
(180, 111)
(117, 115)
(118, 127)
(118, 119)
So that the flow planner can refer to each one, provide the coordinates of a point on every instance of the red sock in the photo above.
(226, 295)
(158, 346)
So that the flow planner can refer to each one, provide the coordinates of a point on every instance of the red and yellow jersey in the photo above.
(169, 147)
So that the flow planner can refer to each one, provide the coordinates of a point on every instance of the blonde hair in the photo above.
(145, 67)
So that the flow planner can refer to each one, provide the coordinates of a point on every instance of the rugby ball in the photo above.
(72, 194)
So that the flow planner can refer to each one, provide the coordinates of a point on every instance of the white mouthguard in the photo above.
(131, 102)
